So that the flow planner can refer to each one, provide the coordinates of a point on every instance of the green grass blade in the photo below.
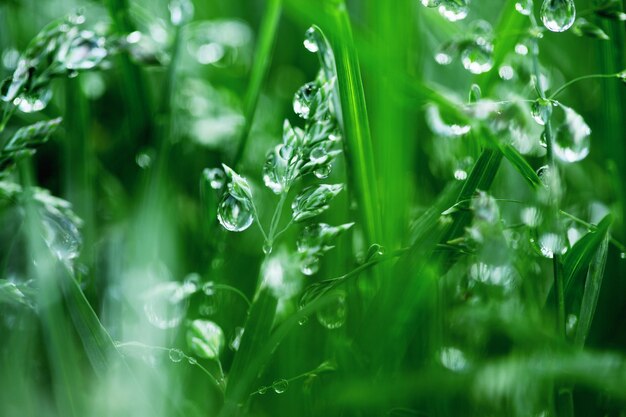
(262, 61)
(581, 254)
(357, 136)
(591, 293)
(521, 165)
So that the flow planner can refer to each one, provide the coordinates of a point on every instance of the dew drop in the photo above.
(323, 171)
(83, 52)
(521, 49)
(303, 100)
(551, 243)
(558, 15)
(262, 390)
(452, 359)
(541, 110)
(524, 7)
(267, 248)
(191, 360)
(310, 41)
(235, 215)
(235, 341)
(61, 234)
(215, 177)
(32, 102)
(310, 265)
(506, 72)
(280, 386)
(430, 3)
(333, 315)
(303, 320)
(454, 10)
(176, 355)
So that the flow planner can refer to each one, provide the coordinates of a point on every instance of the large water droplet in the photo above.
(310, 265)
(60, 234)
(304, 98)
(333, 315)
(476, 57)
(165, 305)
(235, 215)
(454, 10)
(524, 7)
(571, 142)
(280, 386)
(558, 15)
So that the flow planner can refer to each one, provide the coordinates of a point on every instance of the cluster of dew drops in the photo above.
(476, 49)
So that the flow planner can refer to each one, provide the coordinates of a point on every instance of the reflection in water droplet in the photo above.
(235, 215)
(280, 386)
(303, 100)
(176, 355)
(454, 10)
(323, 171)
(476, 57)
(524, 7)
(558, 15)
(541, 110)
(333, 315)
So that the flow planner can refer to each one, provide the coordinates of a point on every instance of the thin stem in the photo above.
(620, 246)
(284, 229)
(575, 80)
(233, 289)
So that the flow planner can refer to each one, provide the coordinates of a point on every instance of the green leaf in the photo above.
(205, 339)
(314, 200)
(582, 253)
(26, 139)
(521, 165)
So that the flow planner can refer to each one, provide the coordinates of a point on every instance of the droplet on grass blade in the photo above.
(310, 265)
(310, 40)
(280, 386)
(477, 58)
(333, 315)
(558, 15)
(176, 355)
(572, 138)
(84, 51)
(303, 101)
(215, 177)
(233, 214)
(454, 10)
(33, 101)
(524, 7)
(541, 110)
(430, 3)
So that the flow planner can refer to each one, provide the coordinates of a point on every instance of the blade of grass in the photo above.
(262, 61)
(591, 293)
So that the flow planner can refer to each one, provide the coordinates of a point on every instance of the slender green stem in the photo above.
(262, 60)
(233, 289)
(575, 80)
(619, 245)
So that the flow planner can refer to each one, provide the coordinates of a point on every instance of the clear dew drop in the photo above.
(454, 10)
(267, 248)
(550, 244)
(521, 49)
(572, 139)
(303, 100)
(61, 235)
(166, 304)
(333, 315)
(262, 390)
(215, 177)
(279, 386)
(234, 215)
(84, 52)
(323, 171)
(524, 7)
(310, 265)
(452, 359)
(176, 355)
(476, 58)
(558, 15)
(303, 320)
(541, 110)
(310, 41)
(235, 341)
(430, 3)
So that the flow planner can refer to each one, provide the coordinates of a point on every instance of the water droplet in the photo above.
(570, 324)
(333, 315)
(262, 390)
(477, 58)
(181, 11)
(524, 7)
(205, 338)
(440, 127)
(622, 76)
(235, 215)
(32, 102)
(310, 265)
(430, 3)
(280, 386)
(310, 40)
(323, 171)
(83, 52)
(191, 360)
(460, 174)
(485, 208)
(506, 72)
(622, 255)
(144, 159)
(303, 320)
(571, 141)
(453, 359)
(236, 339)
(454, 10)
(541, 110)
(267, 248)
(210, 53)
(558, 15)
(276, 172)
(60, 234)
(446, 53)
(314, 200)
(497, 275)
(304, 98)
(215, 177)
(521, 49)
(176, 355)
(166, 304)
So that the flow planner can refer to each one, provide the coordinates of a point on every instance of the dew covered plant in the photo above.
(296, 208)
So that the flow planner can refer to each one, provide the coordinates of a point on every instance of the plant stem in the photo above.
(575, 80)
(262, 60)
